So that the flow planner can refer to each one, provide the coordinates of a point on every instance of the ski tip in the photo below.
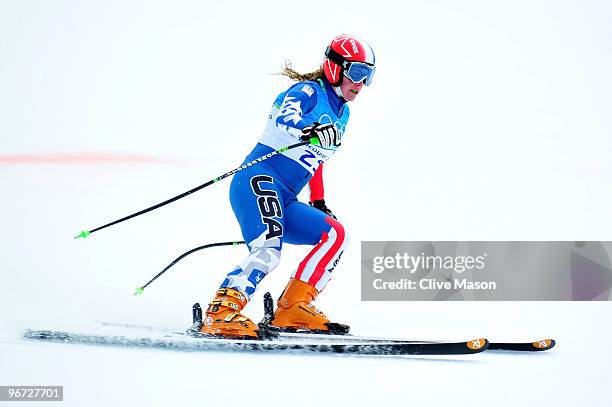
(478, 345)
(543, 344)
(139, 291)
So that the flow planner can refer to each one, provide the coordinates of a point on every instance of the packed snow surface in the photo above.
(485, 121)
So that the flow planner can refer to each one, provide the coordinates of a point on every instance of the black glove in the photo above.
(320, 205)
(327, 134)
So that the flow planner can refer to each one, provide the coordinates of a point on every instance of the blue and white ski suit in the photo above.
(264, 196)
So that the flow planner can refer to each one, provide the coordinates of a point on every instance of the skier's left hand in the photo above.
(320, 205)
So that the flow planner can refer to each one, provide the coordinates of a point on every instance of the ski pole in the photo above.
(140, 290)
(304, 142)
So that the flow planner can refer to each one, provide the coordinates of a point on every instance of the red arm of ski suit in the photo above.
(316, 185)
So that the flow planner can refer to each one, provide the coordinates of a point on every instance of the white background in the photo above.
(486, 121)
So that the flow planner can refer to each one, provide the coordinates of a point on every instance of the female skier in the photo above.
(264, 196)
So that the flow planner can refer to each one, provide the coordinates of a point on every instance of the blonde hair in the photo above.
(291, 73)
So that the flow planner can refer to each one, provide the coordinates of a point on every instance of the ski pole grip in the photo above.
(312, 140)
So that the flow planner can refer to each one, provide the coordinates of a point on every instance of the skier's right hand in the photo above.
(320, 205)
(327, 134)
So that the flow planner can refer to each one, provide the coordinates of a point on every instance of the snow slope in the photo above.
(486, 121)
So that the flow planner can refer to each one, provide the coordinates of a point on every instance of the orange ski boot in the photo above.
(223, 317)
(295, 311)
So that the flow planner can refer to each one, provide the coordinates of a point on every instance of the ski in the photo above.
(272, 339)
(342, 332)
(537, 346)
(190, 343)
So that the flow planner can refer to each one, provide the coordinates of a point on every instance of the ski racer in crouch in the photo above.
(264, 196)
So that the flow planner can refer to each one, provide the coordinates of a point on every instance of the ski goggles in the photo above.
(360, 71)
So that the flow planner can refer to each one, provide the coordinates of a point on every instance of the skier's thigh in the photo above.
(257, 202)
(304, 224)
